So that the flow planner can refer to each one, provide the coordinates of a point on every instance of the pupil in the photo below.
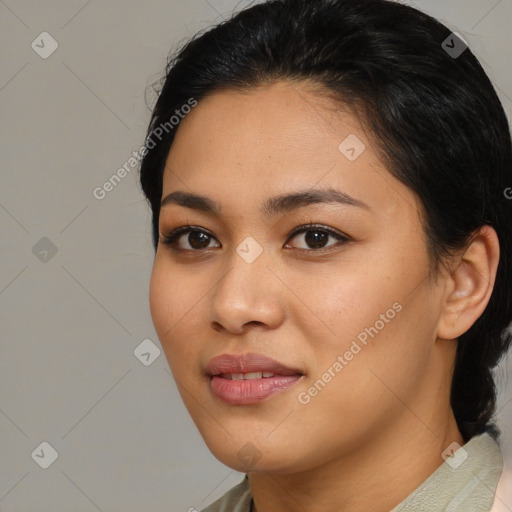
(315, 241)
(194, 239)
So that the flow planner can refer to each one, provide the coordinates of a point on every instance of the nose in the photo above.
(248, 294)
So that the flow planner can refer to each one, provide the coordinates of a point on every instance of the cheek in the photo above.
(376, 308)
(164, 303)
(170, 297)
(158, 297)
(173, 308)
(346, 301)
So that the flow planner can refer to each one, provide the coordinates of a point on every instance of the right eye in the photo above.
(198, 242)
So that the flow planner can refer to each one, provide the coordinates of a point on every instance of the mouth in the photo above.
(246, 391)
(249, 378)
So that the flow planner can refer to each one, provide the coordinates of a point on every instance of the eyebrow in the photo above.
(272, 206)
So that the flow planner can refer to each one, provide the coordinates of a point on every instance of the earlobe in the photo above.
(470, 284)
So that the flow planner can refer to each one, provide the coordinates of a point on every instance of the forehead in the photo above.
(276, 139)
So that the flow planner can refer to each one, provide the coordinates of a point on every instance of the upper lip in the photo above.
(247, 363)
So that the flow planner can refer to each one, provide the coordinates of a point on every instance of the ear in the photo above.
(469, 284)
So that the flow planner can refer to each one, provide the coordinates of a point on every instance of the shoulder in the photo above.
(237, 499)
(467, 480)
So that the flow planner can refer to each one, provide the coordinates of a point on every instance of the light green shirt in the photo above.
(466, 482)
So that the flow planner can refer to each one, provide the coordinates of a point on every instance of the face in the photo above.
(332, 286)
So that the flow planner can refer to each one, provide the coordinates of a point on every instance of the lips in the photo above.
(248, 363)
(249, 378)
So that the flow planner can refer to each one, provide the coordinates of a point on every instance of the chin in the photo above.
(254, 455)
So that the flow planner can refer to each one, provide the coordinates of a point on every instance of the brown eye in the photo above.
(197, 239)
(316, 237)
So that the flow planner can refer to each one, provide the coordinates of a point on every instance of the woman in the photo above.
(327, 181)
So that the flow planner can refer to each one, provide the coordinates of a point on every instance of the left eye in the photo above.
(316, 236)
(199, 239)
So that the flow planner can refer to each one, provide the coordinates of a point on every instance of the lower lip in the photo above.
(250, 391)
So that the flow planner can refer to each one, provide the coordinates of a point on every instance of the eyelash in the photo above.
(170, 239)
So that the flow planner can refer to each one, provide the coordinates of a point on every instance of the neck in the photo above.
(376, 476)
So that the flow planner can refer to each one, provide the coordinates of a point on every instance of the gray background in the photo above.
(70, 321)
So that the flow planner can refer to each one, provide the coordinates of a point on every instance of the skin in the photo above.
(386, 416)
